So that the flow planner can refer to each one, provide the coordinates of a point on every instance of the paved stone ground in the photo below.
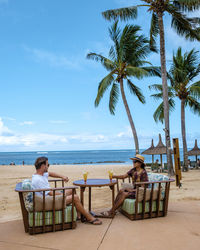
(180, 230)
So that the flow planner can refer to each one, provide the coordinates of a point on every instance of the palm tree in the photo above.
(126, 59)
(182, 72)
(188, 27)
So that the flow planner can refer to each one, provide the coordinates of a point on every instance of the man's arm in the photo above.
(123, 176)
(55, 175)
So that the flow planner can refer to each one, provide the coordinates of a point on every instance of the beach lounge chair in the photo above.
(151, 201)
(45, 213)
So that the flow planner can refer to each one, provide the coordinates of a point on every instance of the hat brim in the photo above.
(137, 159)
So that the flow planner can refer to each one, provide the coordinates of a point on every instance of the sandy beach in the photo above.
(101, 197)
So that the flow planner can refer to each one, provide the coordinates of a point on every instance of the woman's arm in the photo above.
(55, 175)
(123, 176)
(144, 177)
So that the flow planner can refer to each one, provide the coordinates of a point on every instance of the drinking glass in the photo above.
(85, 175)
(110, 173)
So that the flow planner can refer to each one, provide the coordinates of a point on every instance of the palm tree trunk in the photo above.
(129, 117)
(165, 93)
(185, 153)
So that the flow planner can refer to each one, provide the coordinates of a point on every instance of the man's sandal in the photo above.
(95, 222)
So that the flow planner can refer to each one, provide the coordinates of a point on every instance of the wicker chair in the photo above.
(151, 200)
(46, 220)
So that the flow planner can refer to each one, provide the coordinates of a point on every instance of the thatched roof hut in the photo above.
(150, 151)
(195, 151)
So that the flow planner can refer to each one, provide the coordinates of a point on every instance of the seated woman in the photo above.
(138, 174)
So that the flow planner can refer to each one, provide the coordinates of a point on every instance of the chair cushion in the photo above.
(28, 197)
(157, 177)
(49, 202)
(49, 217)
(153, 177)
(148, 194)
(129, 206)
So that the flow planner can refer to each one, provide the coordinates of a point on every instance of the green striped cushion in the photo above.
(129, 206)
(49, 217)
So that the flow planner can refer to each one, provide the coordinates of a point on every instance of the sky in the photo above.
(48, 87)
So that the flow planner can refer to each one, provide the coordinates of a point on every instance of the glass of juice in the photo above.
(85, 175)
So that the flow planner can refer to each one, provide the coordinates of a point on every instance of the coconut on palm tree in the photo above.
(188, 27)
(126, 59)
(184, 69)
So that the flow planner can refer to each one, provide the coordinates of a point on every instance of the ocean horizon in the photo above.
(78, 157)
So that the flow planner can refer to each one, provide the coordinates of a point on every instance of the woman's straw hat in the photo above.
(139, 158)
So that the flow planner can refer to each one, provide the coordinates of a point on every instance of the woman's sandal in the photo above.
(106, 214)
(93, 222)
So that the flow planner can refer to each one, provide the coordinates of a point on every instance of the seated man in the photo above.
(40, 181)
(138, 174)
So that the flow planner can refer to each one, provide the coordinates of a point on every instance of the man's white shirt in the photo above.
(40, 182)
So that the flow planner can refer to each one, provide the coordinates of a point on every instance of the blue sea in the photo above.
(76, 157)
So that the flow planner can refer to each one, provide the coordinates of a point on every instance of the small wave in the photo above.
(42, 152)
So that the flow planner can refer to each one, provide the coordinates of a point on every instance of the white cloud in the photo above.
(53, 59)
(88, 138)
(127, 133)
(4, 131)
(26, 123)
(8, 118)
(48, 141)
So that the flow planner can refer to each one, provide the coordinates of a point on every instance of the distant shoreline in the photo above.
(74, 163)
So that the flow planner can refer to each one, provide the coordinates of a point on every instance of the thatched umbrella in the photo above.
(195, 151)
(149, 151)
(160, 149)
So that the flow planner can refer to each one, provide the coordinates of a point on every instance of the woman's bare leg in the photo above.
(118, 201)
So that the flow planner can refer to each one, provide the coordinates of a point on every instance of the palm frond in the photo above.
(107, 63)
(121, 13)
(115, 34)
(195, 90)
(114, 95)
(136, 91)
(184, 26)
(112, 53)
(193, 104)
(187, 5)
(157, 87)
(103, 85)
(127, 39)
(157, 96)
(137, 72)
(153, 71)
(154, 31)
(140, 50)
(159, 113)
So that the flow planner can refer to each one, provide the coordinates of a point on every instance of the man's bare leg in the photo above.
(68, 192)
(81, 209)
